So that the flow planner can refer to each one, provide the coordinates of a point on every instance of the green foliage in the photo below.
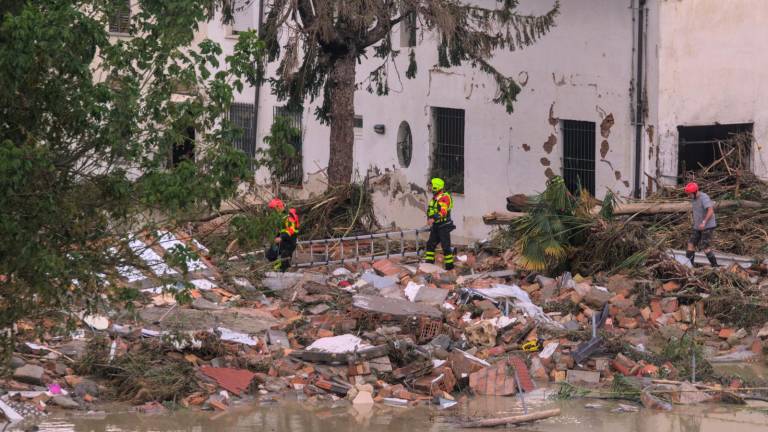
(279, 154)
(256, 230)
(680, 351)
(544, 235)
(313, 45)
(568, 391)
(87, 126)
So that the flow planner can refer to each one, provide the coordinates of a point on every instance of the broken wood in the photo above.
(326, 357)
(512, 420)
(644, 207)
(501, 218)
(672, 207)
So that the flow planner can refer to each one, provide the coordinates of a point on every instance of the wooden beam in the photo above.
(512, 420)
(626, 209)
(661, 207)
(501, 218)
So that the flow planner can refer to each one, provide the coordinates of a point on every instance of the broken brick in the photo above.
(669, 304)
(725, 333)
(628, 323)
(386, 267)
(671, 286)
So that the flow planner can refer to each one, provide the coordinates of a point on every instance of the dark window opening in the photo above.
(185, 149)
(448, 144)
(120, 21)
(701, 146)
(358, 122)
(579, 155)
(294, 172)
(241, 115)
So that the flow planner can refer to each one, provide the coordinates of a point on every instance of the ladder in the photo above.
(367, 247)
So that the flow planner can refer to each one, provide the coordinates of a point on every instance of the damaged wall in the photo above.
(714, 74)
(581, 70)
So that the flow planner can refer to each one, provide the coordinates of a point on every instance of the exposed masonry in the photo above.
(593, 86)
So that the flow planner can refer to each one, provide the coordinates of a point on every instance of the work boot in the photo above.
(448, 259)
(691, 255)
(712, 259)
(429, 257)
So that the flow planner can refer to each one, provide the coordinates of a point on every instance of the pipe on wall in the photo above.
(639, 109)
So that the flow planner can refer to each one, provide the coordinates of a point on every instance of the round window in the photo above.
(404, 145)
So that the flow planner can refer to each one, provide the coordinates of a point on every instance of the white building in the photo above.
(700, 76)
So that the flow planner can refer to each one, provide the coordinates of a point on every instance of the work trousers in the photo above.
(440, 233)
(281, 253)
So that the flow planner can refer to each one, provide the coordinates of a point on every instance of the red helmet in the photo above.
(691, 188)
(277, 203)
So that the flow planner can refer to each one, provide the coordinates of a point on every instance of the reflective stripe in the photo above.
(448, 259)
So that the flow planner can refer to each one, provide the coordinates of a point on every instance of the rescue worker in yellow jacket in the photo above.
(441, 225)
(285, 242)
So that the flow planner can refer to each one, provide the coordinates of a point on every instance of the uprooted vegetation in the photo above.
(340, 211)
(561, 231)
(148, 371)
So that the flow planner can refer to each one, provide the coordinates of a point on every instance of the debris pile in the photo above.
(400, 333)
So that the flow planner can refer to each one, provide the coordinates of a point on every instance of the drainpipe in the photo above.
(639, 120)
(257, 89)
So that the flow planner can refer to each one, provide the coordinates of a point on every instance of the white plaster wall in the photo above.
(581, 70)
(712, 70)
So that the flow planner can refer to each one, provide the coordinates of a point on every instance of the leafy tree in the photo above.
(88, 125)
(280, 152)
(318, 45)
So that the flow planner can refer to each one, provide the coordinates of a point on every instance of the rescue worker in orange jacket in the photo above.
(441, 225)
(285, 241)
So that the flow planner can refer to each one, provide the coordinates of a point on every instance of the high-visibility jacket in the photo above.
(291, 223)
(440, 207)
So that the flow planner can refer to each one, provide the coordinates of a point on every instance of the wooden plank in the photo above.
(643, 207)
(325, 357)
(512, 420)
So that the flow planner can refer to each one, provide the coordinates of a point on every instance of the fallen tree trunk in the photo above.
(501, 218)
(672, 207)
(512, 420)
(646, 208)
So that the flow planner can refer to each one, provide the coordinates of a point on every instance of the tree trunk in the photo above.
(342, 115)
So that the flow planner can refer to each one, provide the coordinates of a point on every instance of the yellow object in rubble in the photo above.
(532, 346)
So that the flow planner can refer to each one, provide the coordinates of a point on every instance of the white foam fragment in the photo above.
(203, 284)
(168, 242)
(338, 344)
(412, 290)
(151, 258)
(237, 337)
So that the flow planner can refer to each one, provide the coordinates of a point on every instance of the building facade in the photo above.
(621, 95)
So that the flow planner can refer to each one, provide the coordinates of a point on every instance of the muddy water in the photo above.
(297, 416)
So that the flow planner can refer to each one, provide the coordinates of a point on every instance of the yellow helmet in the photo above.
(437, 184)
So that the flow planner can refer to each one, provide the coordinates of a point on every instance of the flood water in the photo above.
(298, 416)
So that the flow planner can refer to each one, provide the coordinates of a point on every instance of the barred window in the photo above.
(579, 155)
(294, 173)
(120, 21)
(448, 145)
(242, 115)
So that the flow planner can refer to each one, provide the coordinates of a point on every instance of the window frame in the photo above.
(579, 168)
(448, 139)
